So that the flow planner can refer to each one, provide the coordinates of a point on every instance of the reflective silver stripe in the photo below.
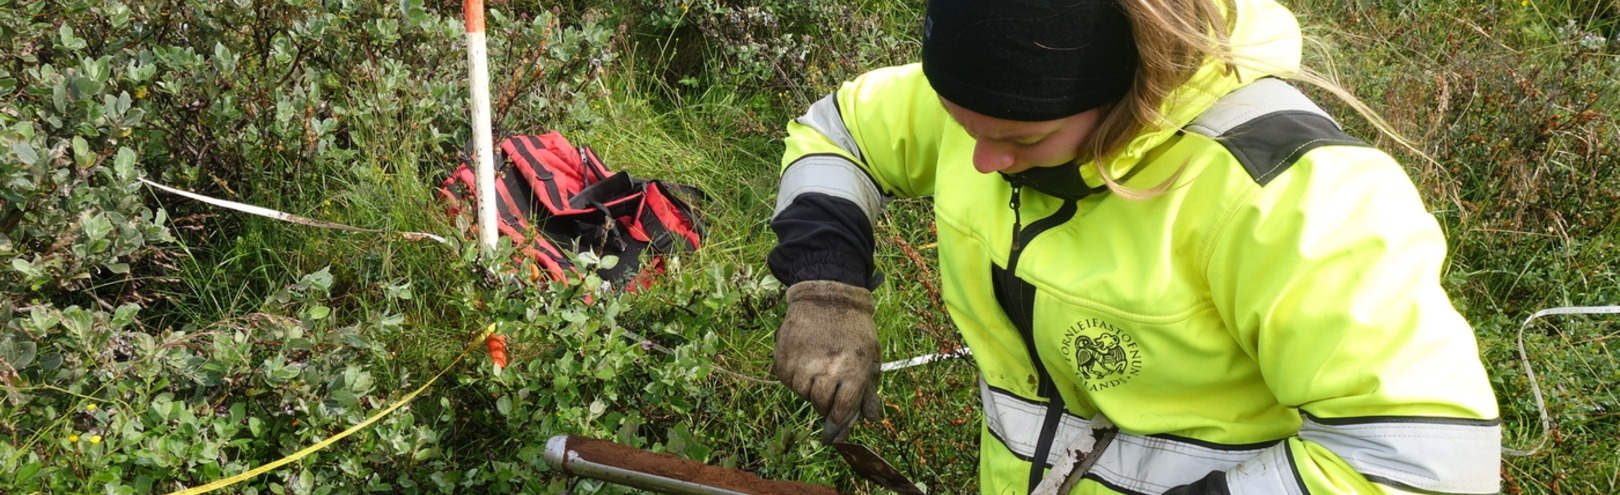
(830, 174)
(834, 176)
(1270, 472)
(823, 116)
(1153, 465)
(1018, 423)
(1265, 96)
(1431, 455)
(1133, 462)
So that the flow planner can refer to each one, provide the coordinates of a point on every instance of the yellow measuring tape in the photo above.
(363, 424)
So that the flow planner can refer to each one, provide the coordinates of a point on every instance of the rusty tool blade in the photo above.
(871, 466)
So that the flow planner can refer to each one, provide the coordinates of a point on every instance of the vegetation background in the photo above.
(152, 343)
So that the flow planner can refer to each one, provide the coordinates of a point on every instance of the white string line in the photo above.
(415, 236)
(889, 366)
(288, 217)
(1535, 386)
(925, 359)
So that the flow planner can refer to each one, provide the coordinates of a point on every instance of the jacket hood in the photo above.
(1265, 42)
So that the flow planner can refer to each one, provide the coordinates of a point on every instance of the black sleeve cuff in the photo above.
(821, 237)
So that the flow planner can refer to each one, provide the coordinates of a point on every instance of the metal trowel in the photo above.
(871, 466)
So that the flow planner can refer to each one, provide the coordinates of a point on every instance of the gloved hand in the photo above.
(827, 352)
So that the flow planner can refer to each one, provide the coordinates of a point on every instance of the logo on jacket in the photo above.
(1103, 355)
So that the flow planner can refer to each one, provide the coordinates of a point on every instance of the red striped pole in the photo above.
(483, 141)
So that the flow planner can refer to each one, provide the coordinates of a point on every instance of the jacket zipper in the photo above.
(1025, 322)
(1018, 227)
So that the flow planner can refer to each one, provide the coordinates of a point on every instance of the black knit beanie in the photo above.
(1028, 60)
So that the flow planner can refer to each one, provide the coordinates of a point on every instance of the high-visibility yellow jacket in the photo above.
(1276, 317)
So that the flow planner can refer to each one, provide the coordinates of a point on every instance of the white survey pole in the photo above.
(483, 140)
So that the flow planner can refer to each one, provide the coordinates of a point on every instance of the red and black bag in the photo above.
(557, 199)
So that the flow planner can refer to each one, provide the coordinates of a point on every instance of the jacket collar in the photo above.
(1062, 182)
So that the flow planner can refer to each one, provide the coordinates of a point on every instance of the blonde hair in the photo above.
(1173, 39)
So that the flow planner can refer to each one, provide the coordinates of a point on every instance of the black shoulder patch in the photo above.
(1269, 144)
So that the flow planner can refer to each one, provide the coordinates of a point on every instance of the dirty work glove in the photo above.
(827, 352)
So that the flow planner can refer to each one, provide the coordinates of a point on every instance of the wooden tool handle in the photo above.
(625, 465)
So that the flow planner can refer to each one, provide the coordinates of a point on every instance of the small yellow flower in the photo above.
(95, 439)
(1524, 3)
(73, 439)
(89, 407)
